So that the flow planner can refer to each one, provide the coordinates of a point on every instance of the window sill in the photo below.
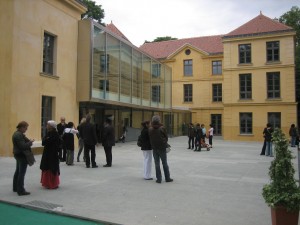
(245, 100)
(49, 75)
(252, 135)
(273, 100)
(273, 62)
(245, 64)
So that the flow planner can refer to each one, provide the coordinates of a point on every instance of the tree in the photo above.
(94, 11)
(292, 19)
(159, 39)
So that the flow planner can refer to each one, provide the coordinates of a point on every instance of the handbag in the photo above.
(139, 142)
(168, 149)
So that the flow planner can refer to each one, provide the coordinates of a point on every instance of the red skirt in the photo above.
(49, 180)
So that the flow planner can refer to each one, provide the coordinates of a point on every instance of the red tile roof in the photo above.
(259, 25)
(116, 31)
(163, 49)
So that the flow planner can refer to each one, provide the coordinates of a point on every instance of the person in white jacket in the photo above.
(68, 137)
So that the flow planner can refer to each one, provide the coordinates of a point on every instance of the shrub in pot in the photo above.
(282, 194)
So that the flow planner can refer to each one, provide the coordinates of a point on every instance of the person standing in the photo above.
(159, 140)
(263, 149)
(198, 137)
(80, 140)
(268, 137)
(88, 132)
(68, 138)
(62, 149)
(50, 157)
(203, 133)
(147, 150)
(21, 145)
(211, 134)
(191, 136)
(108, 140)
(293, 134)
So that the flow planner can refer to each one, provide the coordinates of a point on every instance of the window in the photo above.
(188, 67)
(48, 54)
(216, 67)
(156, 93)
(104, 85)
(273, 85)
(156, 68)
(245, 123)
(245, 86)
(245, 53)
(104, 63)
(188, 92)
(216, 120)
(188, 52)
(46, 113)
(217, 92)
(272, 51)
(274, 118)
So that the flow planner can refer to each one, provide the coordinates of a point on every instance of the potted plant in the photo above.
(283, 193)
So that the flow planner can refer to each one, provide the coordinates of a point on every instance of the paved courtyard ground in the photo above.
(219, 187)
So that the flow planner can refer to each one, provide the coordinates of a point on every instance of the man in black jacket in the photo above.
(88, 133)
(108, 140)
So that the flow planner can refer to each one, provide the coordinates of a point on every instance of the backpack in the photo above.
(139, 141)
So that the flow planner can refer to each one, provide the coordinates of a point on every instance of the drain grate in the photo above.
(44, 205)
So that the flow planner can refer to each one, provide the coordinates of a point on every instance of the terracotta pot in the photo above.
(282, 217)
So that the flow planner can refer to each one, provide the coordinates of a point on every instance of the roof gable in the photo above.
(259, 25)
(165, 49)
(116, 31)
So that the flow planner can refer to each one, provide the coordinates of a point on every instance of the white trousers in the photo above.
(147, 163)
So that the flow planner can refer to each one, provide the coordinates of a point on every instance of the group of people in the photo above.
(197, 135)
(267, 148)
(58, 145)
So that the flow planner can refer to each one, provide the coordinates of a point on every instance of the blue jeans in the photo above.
(269, 151)
(157, 154)
(293, 141)
(19, 176)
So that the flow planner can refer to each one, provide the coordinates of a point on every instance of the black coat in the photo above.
(50, 159)
(60, 128)
(88, 133)
(268, 134)
(145, 139)
(108, 136)
(158, 137)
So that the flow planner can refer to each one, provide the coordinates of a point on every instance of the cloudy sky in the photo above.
(141, 20)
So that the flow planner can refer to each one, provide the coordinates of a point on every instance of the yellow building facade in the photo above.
(54, 64)
(272, 85)
(30, 81)
(238, 82)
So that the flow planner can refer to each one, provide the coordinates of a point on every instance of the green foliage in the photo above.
(94, 11)
(283, 189)
(159, 39)
(292, 19)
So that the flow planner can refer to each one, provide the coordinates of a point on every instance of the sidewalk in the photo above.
(219, 187)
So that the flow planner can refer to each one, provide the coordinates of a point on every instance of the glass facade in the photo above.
(118, 81)
(124, 74)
